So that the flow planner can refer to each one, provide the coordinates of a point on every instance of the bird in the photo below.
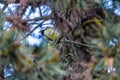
(51, 33)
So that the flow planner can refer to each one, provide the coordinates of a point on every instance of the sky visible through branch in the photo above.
(36, 37)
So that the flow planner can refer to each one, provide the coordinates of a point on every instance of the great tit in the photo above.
(51, 33)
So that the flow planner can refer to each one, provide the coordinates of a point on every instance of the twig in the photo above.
(33, 30)
(40, 11)
(77, 43)
(39, 18)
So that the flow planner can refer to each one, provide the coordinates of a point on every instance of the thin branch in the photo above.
(33, 30)
(39, 18)
(77, 43)
(40, 11)
(5, 6)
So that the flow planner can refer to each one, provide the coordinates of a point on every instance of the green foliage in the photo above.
(86, 45)
(28, 63)
(99, 66)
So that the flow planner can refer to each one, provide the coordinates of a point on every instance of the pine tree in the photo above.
(81, 40)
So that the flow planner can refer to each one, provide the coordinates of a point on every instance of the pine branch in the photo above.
(77, 43)
(33, 30)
